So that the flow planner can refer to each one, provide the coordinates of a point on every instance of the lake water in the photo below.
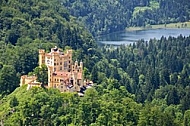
(127, 37)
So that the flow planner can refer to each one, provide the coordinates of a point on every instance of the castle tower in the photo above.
(76, 65)
(69, 56)
(81, 66)
(50, 76)
(22, 80)
(81, 71)
(41, 57)
(69, 52)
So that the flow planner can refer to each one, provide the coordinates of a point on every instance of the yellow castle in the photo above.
(63, 74)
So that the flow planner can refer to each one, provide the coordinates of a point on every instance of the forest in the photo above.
(107, 16)
(27, 26)
(144, 83)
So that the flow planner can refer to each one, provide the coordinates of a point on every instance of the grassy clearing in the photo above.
(153, 5)
(171, 25)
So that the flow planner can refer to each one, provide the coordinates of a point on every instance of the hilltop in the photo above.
(144, 83)
(26, 26)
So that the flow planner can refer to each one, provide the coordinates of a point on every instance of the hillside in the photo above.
(99, 106)
(144, 83)
(102, 17)
(26, 26)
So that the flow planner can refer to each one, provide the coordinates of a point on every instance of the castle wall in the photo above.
(27, 79)
(62, 73)
(58, 61)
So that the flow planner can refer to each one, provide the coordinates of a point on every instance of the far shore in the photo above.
(171, 25)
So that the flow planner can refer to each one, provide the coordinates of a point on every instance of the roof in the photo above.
(62, 73)
(79, 76)
(28, 77)
(67, 74)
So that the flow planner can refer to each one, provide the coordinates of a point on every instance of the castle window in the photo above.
(60, 68)
(60, 63)
(65, 64)
(48, 61)
(54, 69)
(54, 64)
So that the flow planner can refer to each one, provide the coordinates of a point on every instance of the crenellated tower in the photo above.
(41, 57)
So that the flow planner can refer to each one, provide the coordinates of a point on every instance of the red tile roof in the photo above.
(62, 74)
(79, 76)
(67, 74)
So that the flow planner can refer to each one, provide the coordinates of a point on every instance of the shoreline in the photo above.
(180, 25)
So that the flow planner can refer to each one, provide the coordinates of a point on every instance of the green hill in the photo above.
(29, 106)
(39, 106)
(48, 21)
(26, 26)
(144, 83)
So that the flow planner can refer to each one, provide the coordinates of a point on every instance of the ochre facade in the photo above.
(63, 74)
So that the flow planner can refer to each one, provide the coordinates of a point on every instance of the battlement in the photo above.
(41, 51)
(27, 79)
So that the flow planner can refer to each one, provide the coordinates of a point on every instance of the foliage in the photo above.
(144, 83)
(106, 16)
(42, 74)
(156, 72)
(8, 79)
(26, 26)
(39, 106)
(13, 102)
(150, 66)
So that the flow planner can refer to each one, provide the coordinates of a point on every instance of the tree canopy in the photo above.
(26, 26)
(107, 16)
(144, 83)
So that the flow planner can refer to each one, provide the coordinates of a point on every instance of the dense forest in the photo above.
(26, 26)
(106, 16)
(144, 83)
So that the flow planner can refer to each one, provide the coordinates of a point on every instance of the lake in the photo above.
(127, 37)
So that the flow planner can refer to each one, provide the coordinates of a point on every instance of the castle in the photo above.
(63, 74)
